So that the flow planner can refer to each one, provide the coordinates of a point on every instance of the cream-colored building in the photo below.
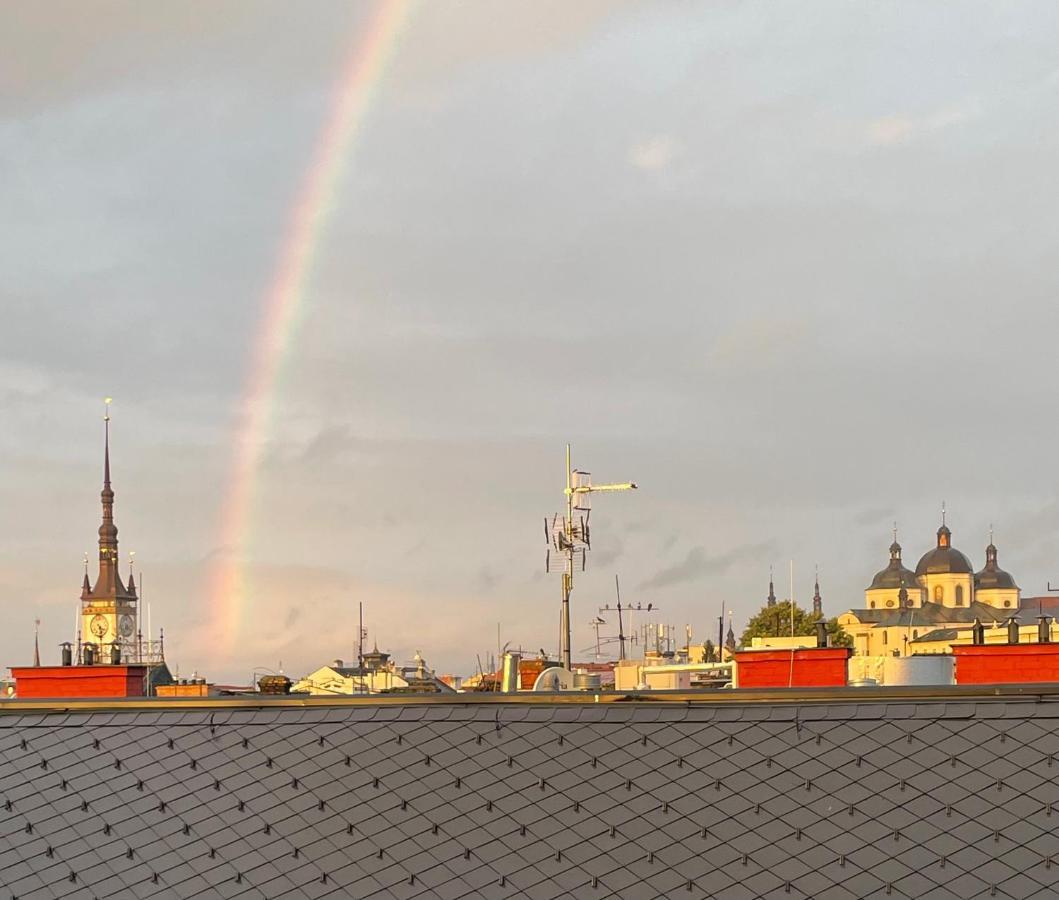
(942, 597)
(375, 674)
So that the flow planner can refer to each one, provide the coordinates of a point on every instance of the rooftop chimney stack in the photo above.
(1044, 629)
(1013, 630)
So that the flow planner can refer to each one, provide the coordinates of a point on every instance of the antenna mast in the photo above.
(570, 538)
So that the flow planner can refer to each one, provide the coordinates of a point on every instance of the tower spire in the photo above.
(772, 590)
(108, 582)
(818, 603)
(106, 444)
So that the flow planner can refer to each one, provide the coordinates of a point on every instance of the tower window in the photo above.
(959, 595)
(885, 637)
(915, 634)
(872, 604)
(939, 593)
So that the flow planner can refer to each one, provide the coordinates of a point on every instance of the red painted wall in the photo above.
(812, 667)
(74, 682)
(1006, 663)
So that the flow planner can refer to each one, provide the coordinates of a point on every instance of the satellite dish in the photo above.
(554, 678)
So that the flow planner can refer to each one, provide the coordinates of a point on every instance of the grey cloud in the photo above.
(873, 516)
(698, 564)
(785, 330)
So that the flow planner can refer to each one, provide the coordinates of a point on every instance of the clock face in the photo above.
(125, 626)
(99, 625)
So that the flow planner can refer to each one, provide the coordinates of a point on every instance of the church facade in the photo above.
(903, 607)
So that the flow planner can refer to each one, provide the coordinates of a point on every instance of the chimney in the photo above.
(68, 653)
(89, 655)
(1044, 630)
(115, 654)
(821, 633)
(978, 633)
(798, 667)
(1033, 662)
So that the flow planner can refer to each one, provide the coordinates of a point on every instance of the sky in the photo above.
(789, 267)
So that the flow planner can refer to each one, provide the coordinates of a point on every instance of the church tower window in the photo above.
(939, 593)
(959, 595)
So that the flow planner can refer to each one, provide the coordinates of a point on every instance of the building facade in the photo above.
(943, 593)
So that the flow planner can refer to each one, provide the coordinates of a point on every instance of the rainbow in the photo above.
(285, 300)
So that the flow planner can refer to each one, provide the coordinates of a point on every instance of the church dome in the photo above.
(894, 575)
(992, 577)
(944, 559)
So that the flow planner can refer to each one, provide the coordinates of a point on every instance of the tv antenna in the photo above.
(570, 538)
(625, 616)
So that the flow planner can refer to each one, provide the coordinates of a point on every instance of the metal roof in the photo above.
(831, 794)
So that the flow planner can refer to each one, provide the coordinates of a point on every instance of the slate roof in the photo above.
(943, 793)
(931, 614)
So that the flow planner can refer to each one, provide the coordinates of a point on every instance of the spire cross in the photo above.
(990, 532)
(895, 531)
(942, 512)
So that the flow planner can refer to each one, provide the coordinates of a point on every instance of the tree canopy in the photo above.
(775, 621)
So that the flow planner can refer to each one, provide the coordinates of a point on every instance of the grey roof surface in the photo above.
(932, 614)
(836, 796)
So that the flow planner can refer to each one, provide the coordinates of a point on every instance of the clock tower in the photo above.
(108, 608)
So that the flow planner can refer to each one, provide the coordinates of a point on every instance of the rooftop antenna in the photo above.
(627, 611)
(360, 639)
(571, 539)
(792, 598)
(36, 642)
(720, 634)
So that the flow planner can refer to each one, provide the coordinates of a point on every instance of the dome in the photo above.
(894, 575)
(944, 559)
(992, 577)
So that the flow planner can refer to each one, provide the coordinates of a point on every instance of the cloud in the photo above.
(656, 152)
(899, 129)
(873, 515)
(697, 564)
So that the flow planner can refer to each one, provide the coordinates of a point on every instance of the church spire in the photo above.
(818, 603)
(772, 590)
(86, 585)
(944, 535)
(108, 582)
